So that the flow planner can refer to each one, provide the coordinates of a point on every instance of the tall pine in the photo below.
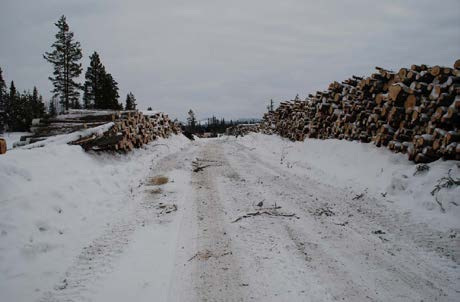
(65, 58)
(130, 102)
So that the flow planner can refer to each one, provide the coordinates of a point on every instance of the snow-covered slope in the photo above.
(369, 170)
(54, 199)
(77, 226)
(13, 137)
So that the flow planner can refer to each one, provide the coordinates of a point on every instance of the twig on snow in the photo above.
(270, 213)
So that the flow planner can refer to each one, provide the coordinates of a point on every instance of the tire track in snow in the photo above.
(405, 275)
(98, 259)
(217, 276)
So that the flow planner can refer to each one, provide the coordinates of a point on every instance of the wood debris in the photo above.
(265, 212)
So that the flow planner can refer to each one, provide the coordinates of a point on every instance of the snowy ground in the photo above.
(339, 221)
(13, 137)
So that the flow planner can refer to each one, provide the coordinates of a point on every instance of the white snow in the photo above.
(366, 168)
(66, 138)
(77, 226)
(55, 199)
(13, 137)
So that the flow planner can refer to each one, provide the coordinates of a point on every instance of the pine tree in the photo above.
(52, 110)
(65, 57)
(37, 105)
(93, 82)
(130, 102)
(191, 120)
(270, 105)
(10, 107)
(100, 89)
(110, 93)
(24, 111)
(3, 100)
(19, 110)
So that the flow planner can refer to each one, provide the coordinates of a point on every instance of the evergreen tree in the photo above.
(18, 109)
(149, 109)
(37, 105)
(191, 120)
(65, 57)
(23, 111)
(110, 93)
(93, 82)
(3, 100)
(270, 105)
(11, 105)
(52, 110)
(100, 89)
(130, 102)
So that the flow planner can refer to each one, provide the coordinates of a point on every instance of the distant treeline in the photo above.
(213, 125)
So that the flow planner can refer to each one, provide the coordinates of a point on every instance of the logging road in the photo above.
(248, 229)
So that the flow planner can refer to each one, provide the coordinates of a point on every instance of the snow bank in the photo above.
(368, 169)
(55, 199)
(13, 137)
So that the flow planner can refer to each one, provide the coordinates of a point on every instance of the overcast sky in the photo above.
(228, 58)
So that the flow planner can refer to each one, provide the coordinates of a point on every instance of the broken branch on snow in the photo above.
(270, 213)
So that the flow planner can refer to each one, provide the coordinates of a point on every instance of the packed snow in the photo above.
(367, 169)
(254, 218)
(13, 137)
(55, 199)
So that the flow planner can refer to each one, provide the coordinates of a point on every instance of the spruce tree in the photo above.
(93, 82)
(23, 111)
(191, 120)
(110, 93)
(100, 89)
(3, 99)
(11, 105)
(37, 105)
(52, 110)
(130, 102)
(65, 58)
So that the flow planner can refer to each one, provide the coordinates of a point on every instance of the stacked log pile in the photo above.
(73, 121)
(132, 130)
(413, 111)
(2, 146)
(242, 129)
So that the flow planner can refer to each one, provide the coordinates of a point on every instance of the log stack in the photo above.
(242, 129)
(3, 146)
(132, 130)
(413, 111)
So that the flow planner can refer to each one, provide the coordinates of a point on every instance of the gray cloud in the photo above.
(229, 57)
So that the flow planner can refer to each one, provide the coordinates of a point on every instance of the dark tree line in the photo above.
(18, 109)
(213, 125)
(100, 90)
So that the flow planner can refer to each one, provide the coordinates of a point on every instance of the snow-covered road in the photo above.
(233, 224)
